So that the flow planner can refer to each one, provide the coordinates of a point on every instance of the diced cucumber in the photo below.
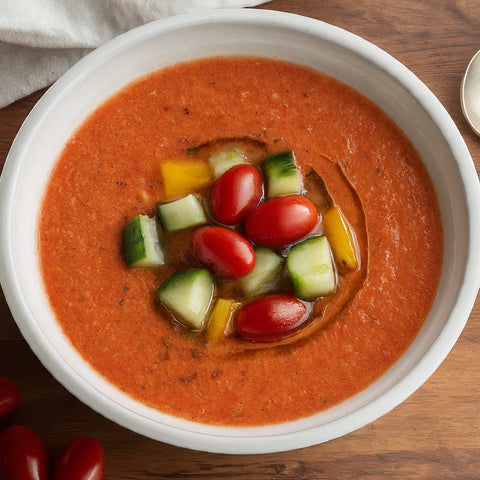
(226, 158)
(265, 274)
(310, 267)
(141, 244)
(282, 174)
(183, 213)
(188, 294)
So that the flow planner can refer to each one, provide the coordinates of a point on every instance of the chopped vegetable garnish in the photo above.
(271, 318)
(188, 294)
(141, 244)
(265, 256)
(310, 267)
(340, 237)
(282, 174)
(226, 158)
(265, 275)
(236, 193)
(220, 318)
(183, 213)
(185, 176)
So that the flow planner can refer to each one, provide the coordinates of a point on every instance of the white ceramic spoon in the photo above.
(470, 93)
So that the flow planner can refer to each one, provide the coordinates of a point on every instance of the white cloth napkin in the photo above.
(41, 39)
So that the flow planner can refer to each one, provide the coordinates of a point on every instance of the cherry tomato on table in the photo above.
(224, 251)
(237, 192)
(281, 221)
(81, 459)
(9, 396)
(22, 455)
(271, 318)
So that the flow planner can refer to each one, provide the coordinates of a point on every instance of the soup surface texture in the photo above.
(109, 172)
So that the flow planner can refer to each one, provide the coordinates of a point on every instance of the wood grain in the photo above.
(432, 435)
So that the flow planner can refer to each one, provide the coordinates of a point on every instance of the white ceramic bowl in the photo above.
(265, 33)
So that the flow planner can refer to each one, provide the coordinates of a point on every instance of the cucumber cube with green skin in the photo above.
(183, 213)
(226, 158)
(310, 266)
(265, 274)
(282, 175)
(187, 294)
(141, 243)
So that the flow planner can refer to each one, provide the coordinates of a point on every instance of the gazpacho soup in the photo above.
(240, 241)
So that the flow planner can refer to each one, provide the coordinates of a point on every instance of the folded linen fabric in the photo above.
(41, 39)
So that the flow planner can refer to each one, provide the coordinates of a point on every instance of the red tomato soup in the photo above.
(109, 172)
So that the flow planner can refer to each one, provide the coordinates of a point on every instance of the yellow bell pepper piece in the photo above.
(185, 176)
(340, 237)
(220, 317)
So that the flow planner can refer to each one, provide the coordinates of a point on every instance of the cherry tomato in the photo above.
(224, 251)
(237, 192)
(81, 459)
(271, 318)
(23, 456)
(9, 396)
(281, 221)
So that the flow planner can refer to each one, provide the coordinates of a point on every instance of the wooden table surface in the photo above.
(435, 434)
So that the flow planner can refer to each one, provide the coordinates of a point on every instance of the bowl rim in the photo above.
(246, 444)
